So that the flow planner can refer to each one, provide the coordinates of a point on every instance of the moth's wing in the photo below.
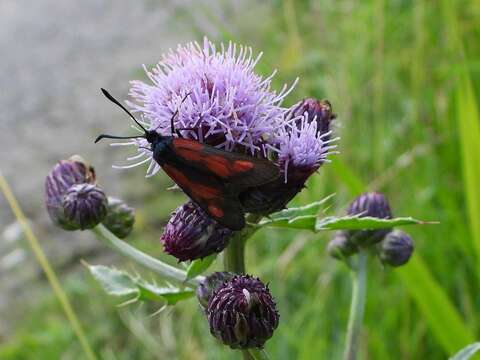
(214, 196)
(237, 169)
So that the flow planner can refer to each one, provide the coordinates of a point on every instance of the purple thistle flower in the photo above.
(242, 313)
(191, 234)
(228, 106)
(303, 146)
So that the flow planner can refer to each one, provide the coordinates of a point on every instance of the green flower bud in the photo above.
(120, 217)
(340, 247)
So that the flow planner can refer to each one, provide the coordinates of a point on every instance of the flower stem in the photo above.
(357, 306)
(159, 267)
(234, 261)
(47, 269)
(234, 254)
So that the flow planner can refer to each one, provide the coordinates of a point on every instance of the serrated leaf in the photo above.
(310, 209)
(313, 223)
(198, 266)
(360, 223)
(120, 283)
(467, 352)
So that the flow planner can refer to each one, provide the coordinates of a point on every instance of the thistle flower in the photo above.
(120, 217)
(84, 206)
(211, 283)
(191, 234)
(63, 175)
(303, 146)
(228, 106)
(219, 100)
(242, 313)
(371, 204)
(396, 249)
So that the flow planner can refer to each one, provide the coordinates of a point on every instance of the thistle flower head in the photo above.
(191, 234)
(242, 313)
(226, 104)
(303, 146)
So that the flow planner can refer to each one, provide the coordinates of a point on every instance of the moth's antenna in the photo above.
(105, 136)
(116, 102)
(176, 112)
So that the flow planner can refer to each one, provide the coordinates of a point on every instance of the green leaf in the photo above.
(359, 223)
(119, 283)
(199, 266)
(313, 223)
(467, 352)
(469, 137)
(310, 209)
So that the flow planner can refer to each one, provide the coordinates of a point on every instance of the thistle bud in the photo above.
(191, 234)
(62, 176)
(242, 313)
(84, 206)
(120, 217)
(340, 247)
(211, 283)
(371, 204)
(396, 249)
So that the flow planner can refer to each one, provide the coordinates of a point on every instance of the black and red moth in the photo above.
(211, 177)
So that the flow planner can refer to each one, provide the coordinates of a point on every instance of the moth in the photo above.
(211, 177)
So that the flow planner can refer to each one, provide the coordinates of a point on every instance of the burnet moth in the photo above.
(211, 177)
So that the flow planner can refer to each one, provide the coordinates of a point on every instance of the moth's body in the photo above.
(211, 177)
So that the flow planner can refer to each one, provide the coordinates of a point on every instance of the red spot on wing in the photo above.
(215, 211)
(242, 165)
(218, 165)
(199, 192)
(187, 144)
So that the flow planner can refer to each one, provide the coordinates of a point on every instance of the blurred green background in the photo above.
(403, 78)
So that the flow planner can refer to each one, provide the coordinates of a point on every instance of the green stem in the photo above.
(234, 254)
(166, 271)
(234, 261)
(357, 307)
(47, 269)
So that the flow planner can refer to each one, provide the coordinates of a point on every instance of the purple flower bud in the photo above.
(210, 284)
(62, 176)
(396, 249)
(371, 204)
(120, 217)
(192, 234)
(340, 247)
(242, 313)
(84, 206)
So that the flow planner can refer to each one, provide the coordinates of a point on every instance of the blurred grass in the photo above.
(403, 77)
